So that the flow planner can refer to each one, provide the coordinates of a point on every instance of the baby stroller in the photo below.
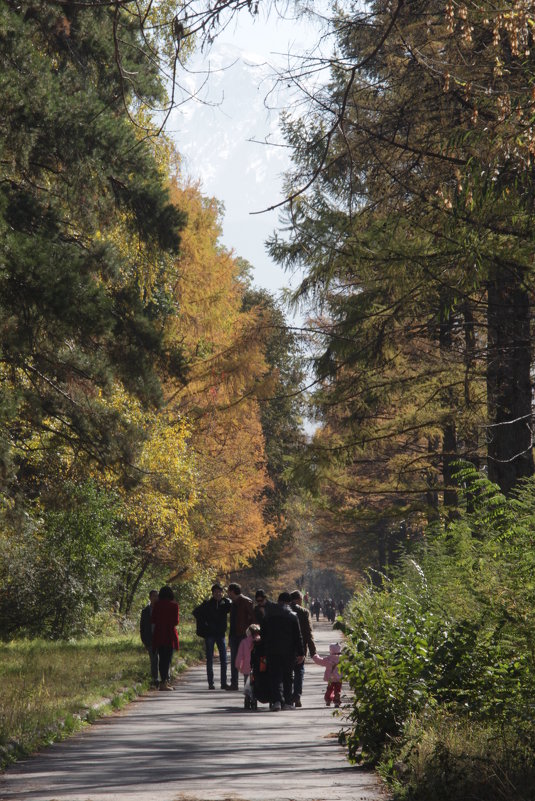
(257, 685)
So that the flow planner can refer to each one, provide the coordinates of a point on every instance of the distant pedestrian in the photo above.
(164, 635)
(211, 617)
(303, 615)
(283, 643)
(316, 609)
(145, 632)
(332, 674)
(241, 616)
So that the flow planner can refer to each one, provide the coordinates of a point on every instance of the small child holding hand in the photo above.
(331, 675)
(243, 662)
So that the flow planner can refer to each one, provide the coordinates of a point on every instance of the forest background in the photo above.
(152, 399)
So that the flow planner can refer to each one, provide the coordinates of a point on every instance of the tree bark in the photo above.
(509, 390)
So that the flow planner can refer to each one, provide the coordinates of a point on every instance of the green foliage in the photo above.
(451, 631)
(64, 567)
(281, 414)
(78, 185)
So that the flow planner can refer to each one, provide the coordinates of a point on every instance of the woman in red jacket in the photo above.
(164, 620)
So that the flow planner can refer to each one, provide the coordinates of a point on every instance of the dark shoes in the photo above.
(211, 687)
(297, 702)
(227, 687)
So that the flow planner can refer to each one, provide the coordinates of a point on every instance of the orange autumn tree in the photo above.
(227, 374)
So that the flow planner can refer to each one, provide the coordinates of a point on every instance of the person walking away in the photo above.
(241, 617)
(283, 643)
(243, 660)
(211, 618)
(164, 635)
(145, 632)
(316, 609)
(332, 612)
(305, 624)
(332, 674)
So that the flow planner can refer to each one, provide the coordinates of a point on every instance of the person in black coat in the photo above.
(211, 617)
(145, 632)
(283, 643)
(303, 615)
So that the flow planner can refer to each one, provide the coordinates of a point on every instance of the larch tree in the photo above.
(416, 234)
(226, 376)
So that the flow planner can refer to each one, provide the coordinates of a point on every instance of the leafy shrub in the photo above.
(451, 631)
(62, 568)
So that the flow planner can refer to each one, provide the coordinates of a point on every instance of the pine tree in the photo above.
(76, 316)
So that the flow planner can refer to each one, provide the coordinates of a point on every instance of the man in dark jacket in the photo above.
(262, 606)
(241, 617)
(284, 647)
(145, 632)
(211, 617)
(303, 615)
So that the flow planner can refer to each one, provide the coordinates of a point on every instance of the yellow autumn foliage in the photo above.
(226, 374)
(159, 498)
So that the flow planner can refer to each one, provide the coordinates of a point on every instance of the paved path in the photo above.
(197, 745)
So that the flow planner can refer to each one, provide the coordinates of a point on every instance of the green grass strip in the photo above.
(50, 689)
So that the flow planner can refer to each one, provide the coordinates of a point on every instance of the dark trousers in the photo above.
(154, 660)
(234, 642)
(299, 675)
(280, 672)
(219, 642)
(165, 654)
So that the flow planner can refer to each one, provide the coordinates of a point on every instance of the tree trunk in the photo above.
(510, 455)
(449, 430)
(432, 483)
(449, 456)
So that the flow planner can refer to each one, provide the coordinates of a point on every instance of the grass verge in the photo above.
(444, 758)
(49, 690)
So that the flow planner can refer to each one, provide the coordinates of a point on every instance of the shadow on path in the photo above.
(197, 745)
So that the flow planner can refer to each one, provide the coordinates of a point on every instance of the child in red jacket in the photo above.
(332, 675)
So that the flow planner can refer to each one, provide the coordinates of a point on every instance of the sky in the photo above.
(220, 133)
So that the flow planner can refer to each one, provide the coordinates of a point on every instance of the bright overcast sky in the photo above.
(214, 134)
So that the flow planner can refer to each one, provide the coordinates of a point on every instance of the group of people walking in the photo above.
(328, 606)
(268, 644)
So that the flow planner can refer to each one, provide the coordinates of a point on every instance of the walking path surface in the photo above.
(199, 745)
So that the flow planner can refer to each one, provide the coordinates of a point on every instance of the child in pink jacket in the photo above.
(243, 662)
(243, 657)
(331, 675)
